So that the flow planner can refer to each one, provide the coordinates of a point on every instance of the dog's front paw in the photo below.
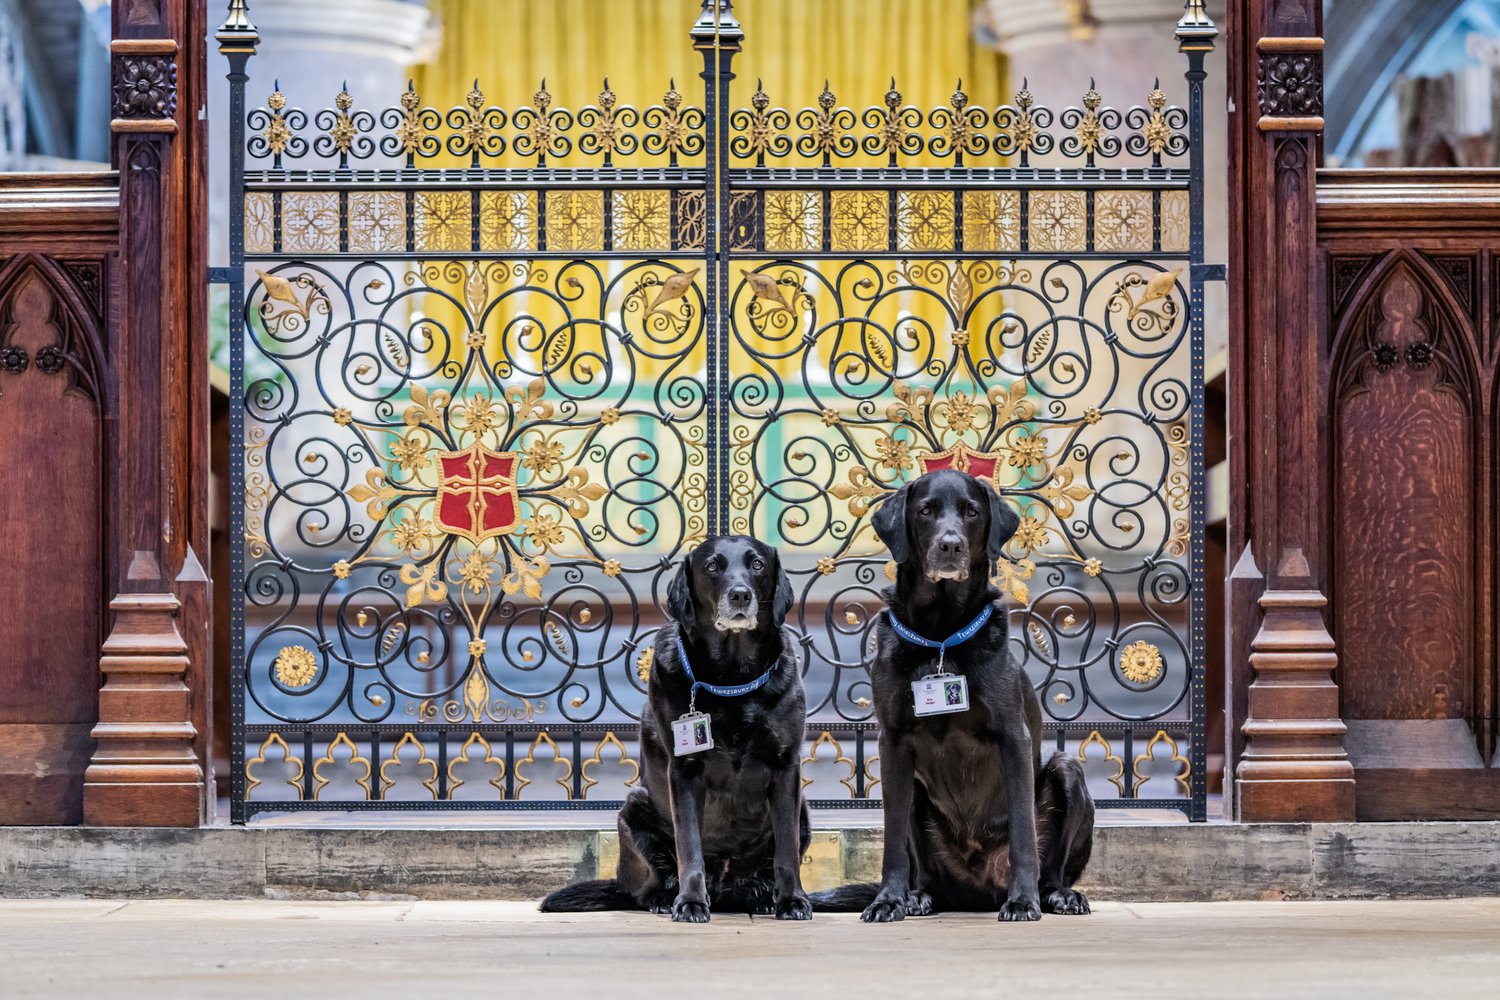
(918, 903)
(660, 902)
(1070, 902)
(885, 909)
(689, 911)
(794, 907)
(1021, 909)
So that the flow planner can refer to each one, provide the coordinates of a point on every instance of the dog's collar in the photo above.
(722, 690)
(958, 638)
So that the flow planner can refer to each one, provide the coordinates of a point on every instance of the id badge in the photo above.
(692, 734)
(941, 694)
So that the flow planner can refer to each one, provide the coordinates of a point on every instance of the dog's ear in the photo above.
(781, 604)
(1003, 524)
(890, 524)
(680, 591)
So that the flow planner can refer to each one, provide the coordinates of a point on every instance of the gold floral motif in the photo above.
(1090, 130)
(296, 666)
(490, 760)
(860, 220)
(565, 781)
(310, 222)
(643, 663)
(1156, 132)
(1095, 739)
(826, 566)
(477, 649)
(610, 740)
(259, 222)
(1183, 776)
(1140, 663)
(992, 220)
(341, 569)
(1093, 567)
(794, 221)
(1057, 220)
(413, 534)
(320, 782)
(294, 782)
(408, 739)
(443, 221)
(277, 133)
(642, 220)
(342, 131)
(409, 130)
(611, 567)
(1031, 535)
(575, 220)
(1122, 221)
(924, 220)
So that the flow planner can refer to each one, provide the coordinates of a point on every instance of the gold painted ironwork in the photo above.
(1095, 738)
(408, 739)
(342, 130)
(610, 739)
(1089, 129)
(455, 782)
(295, 781)
(443, 220)
(1156, 131)
(310, 222)
(1123, 221)
(377, 221)
(575, 220)
(992, 220)
(924, 220)
(1057, 221)
(642, 219)
(1183, 776)
(860, 220)
(260, 225)
(794, 221)
(564, 782)
(825, 738)
(341, 740)
(277, 133)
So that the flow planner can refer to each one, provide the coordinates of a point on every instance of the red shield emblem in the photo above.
(477, 496)
(979, 464)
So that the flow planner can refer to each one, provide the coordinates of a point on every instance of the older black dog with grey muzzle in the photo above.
(719, 822)
(970, 821)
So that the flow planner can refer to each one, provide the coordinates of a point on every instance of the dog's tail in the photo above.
(589, 897)
(845, 899)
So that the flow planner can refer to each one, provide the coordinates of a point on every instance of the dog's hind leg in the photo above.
(648, 864)
(1065, 833)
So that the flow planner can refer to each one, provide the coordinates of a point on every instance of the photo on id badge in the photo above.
(953, 693)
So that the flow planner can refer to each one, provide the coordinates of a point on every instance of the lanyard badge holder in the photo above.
(941, 693)
(693, 732)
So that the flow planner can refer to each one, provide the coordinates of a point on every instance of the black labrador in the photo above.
(970, 822)
(719, 822)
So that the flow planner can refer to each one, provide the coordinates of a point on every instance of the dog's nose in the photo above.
(739, 596)
(950, 543)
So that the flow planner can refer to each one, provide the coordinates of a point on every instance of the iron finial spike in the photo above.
(1156, 85)
(1025, 84)
(276, 84)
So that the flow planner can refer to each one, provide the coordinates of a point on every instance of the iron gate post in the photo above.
(237, 40)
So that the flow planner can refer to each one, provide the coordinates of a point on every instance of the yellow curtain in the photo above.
(791, 45)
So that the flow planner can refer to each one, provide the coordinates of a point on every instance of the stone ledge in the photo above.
(1163, 863)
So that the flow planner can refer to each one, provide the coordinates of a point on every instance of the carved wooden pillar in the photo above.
(1294, 766)
(158, 507)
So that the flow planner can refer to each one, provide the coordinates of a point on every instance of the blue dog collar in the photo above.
(958, 638)
(722, 690)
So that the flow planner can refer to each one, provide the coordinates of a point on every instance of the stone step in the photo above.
(1141, 862)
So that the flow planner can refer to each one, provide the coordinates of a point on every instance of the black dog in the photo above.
(723, 827)
(970, 823)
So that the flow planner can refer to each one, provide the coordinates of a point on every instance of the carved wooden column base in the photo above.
(1295, 768)
(143, 772)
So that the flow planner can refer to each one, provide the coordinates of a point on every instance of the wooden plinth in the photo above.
(1295, 768)
(144, 771)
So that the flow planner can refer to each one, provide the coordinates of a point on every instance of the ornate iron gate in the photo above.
(484, 408)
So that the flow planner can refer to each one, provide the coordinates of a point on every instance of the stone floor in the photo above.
(162, 949)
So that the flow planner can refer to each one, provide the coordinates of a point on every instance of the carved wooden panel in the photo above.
(1404, 519)
(51, 594)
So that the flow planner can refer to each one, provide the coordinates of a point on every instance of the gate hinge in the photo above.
(219, 275)
(1209, 272)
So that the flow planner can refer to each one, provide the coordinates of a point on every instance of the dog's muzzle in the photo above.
(947, 558)
(737, 611)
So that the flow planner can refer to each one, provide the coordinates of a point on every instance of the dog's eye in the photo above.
(925, 510)
(713, 565)
(758, 565)
(971, 512)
